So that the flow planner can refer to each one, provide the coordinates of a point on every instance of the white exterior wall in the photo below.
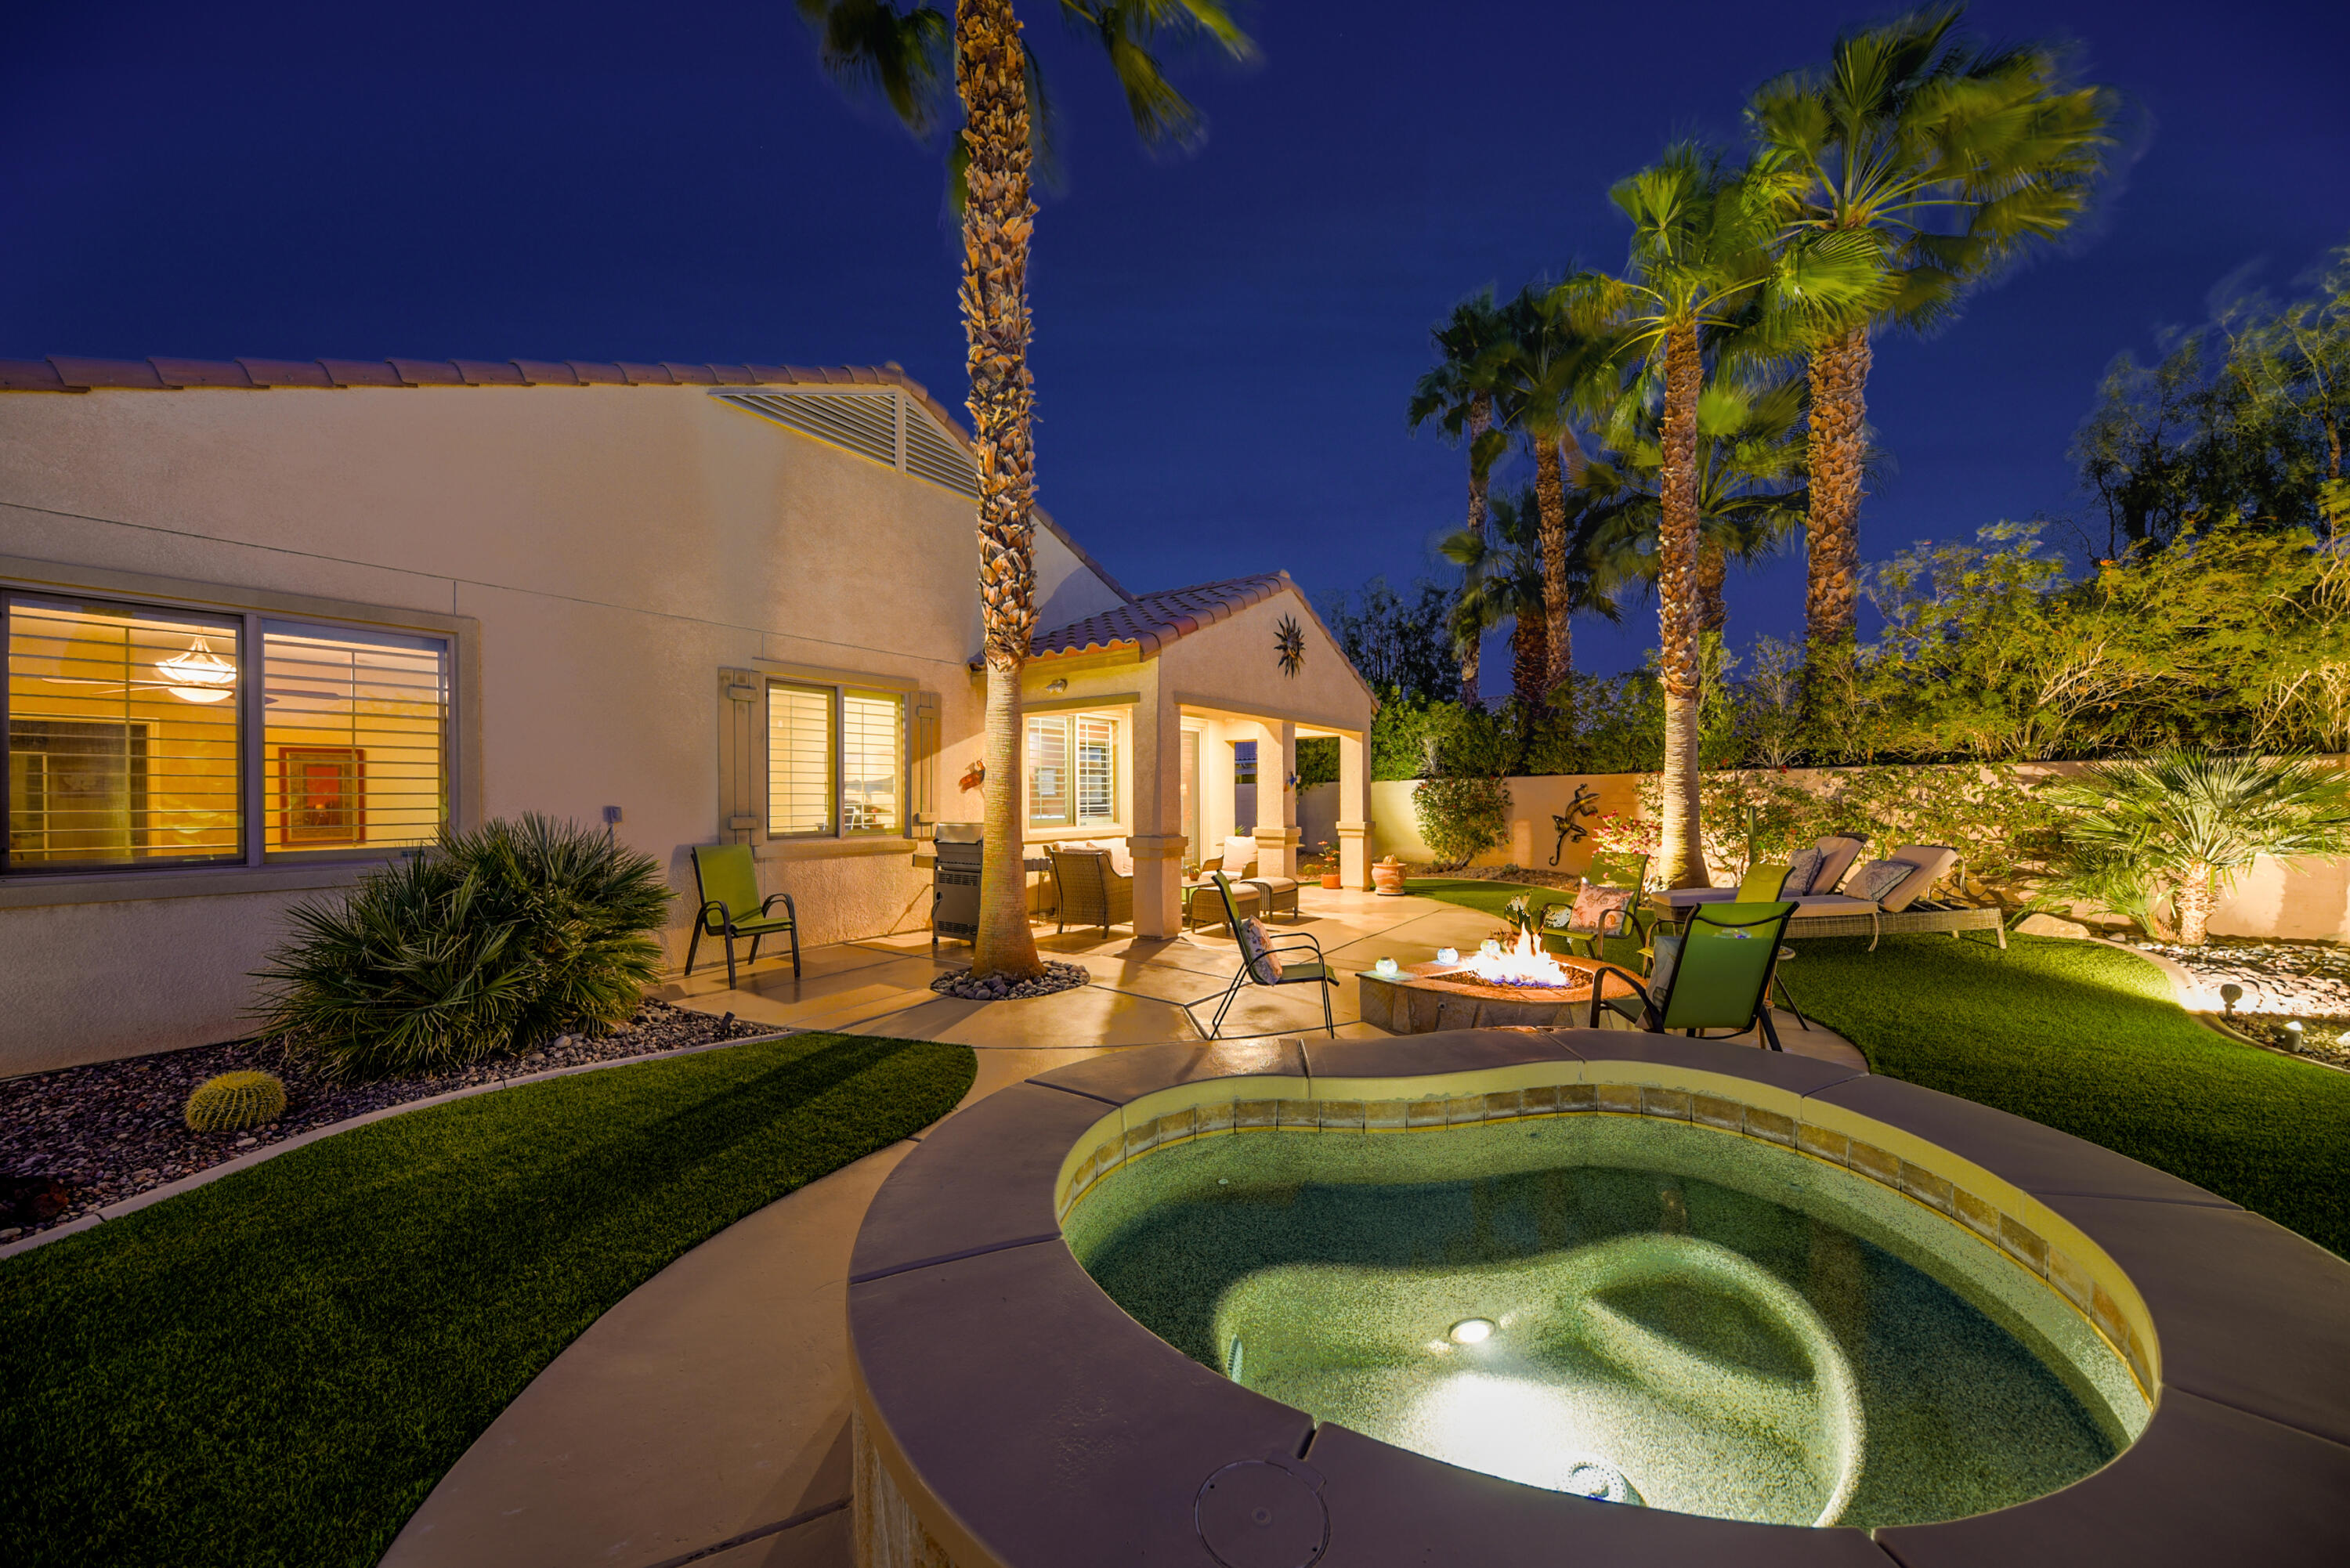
(614, 546)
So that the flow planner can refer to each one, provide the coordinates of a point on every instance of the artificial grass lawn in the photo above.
(2081, 1037)
(276, 1368)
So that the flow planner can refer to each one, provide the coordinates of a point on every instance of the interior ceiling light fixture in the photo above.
(199, 675)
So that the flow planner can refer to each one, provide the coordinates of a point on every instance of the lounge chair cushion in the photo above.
(1681, 898)
(1831, 904)
(1256, 949)
(1240, 854)
(1801, 871)
(1837, 851)
(1933, 861)
(1875, 880)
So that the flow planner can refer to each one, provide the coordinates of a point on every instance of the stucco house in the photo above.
(269, 623)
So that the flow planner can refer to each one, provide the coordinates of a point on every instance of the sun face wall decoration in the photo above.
(1289, 642)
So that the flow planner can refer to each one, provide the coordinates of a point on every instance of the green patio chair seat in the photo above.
(726, 881)
(1715, 973)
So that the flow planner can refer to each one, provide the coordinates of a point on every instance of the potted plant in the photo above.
(1387, 878)
(1323, 864)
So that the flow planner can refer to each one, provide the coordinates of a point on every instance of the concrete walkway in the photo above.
(704, 1418)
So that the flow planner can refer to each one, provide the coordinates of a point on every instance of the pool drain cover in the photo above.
(1260, 1513)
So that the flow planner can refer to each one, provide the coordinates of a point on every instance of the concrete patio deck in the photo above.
(704, 1418)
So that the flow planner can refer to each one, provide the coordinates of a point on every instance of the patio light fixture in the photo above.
(199, 675)
(1385, 969)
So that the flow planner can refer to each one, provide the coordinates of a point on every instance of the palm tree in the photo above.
(1951, 160)
(1553, 371)
(1749, 487)
(1708, 278)
(1457, 393)
(1502, 580)
(900, 53)
(2180, 826)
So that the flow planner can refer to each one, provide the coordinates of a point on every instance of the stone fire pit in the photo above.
(1423, 998)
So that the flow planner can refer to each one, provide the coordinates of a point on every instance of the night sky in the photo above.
(1224, 342)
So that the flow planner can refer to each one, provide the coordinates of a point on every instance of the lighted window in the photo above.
(133, 738)
(122, 735)
(1072, 770)
(836, 762)
(356, 738)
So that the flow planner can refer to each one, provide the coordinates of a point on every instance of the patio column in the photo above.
(1277, 830)
(1353, 822)
(1156, 841)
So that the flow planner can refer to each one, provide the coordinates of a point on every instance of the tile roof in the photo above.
(1150, 621)
(66, 373)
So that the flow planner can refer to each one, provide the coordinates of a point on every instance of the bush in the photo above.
(234, 1100)
(493, 941)
(1461, 815)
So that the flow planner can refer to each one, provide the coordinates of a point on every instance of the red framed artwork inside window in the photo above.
(322, 796)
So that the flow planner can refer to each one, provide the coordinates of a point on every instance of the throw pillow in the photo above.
(1597, 907)
(1265, 966)
(1801, 871)
(1121, 858)
(1877, 878)
(1240, 854)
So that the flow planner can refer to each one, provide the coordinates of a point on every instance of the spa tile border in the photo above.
(943, 1395)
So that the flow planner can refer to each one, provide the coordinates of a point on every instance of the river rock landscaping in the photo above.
(1057, 976)
(78, 1139)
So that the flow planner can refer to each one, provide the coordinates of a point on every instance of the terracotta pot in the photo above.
(1332, 880)
(1387, 878)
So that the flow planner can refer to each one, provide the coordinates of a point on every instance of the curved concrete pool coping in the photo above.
(1009, 1415)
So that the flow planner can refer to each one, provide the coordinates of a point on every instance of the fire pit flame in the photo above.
(1522, 964)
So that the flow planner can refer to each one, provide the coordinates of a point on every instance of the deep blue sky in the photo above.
(1224, 343)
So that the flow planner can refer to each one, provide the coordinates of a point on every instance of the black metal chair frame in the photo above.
(1301, 942)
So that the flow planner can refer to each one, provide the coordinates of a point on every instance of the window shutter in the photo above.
(738, 756)
(922, 762)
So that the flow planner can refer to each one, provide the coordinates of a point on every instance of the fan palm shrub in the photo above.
(2171, 832)
(1948, 159)
(904, 53)
(493, 941)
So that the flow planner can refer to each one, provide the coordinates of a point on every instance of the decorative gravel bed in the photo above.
(1056, 977)
(2283, 982)
(88, 1137)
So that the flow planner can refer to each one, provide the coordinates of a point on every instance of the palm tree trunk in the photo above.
(1682, 853)
(998, 218)
(1712, 609)
(1839, 374)
(2197, 899)
(1481, 420)
(1529, 660)
(1550, 500)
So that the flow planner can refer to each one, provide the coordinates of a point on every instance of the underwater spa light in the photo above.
(1472, 1331)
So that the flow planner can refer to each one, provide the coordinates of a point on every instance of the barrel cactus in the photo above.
(236, 1100)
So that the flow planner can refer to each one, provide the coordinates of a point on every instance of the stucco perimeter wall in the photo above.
(2306, 899)
(610, 549)
(1534, 834)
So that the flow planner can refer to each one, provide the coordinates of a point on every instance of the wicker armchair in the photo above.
(1090, 893)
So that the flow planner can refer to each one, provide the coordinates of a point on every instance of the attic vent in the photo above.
(864, 423)
(930, 455)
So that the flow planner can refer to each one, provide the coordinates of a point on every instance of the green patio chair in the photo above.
(728, 885)
(1263, 964)
(1715, 973)
(1555, 918)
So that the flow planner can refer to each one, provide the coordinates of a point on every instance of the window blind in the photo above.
(1097, 770)
(799, 760)
(1048, 770)
(872, 761)
(355, 739)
